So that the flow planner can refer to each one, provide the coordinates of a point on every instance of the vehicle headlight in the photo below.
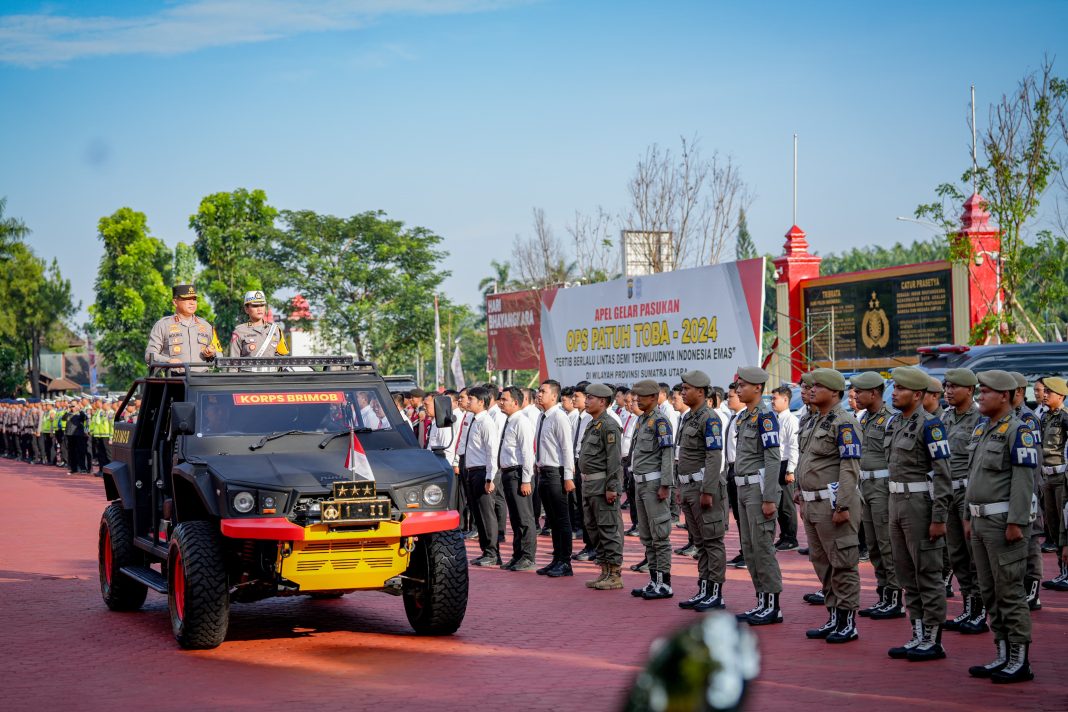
(412, 496)
(244, 502)
(433, 494)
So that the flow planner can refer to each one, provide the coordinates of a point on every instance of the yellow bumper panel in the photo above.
(331, 560)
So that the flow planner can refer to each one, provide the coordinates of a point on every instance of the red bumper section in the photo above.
(281, 529)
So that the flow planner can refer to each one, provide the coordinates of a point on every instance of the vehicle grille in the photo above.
(344, 555)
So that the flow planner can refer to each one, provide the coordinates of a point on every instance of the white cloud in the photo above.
(48, 38)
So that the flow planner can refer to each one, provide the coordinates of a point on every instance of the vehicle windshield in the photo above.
(244, 412)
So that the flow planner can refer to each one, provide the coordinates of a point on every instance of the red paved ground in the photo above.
(527, 642)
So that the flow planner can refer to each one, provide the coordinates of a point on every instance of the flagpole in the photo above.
(439, 374)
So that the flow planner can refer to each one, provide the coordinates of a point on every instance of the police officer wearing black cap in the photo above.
(182, 337)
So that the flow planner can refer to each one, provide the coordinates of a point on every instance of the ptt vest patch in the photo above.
(934, 435)
(848, 442)
(1024, 452)
(713, 434)
(769, 430)
(663, 433)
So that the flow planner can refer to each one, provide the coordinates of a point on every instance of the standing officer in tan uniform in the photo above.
(920, 494)
(756, 467)
(601, 469)
(875, 423)
(1034, 547)
(182, 337)
(257, 337)
(702, 490)
(960, 420)
(828, 474)
(1004, 456)
(1054, 440)
(652, 460)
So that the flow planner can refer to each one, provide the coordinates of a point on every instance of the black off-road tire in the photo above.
(115, 549)
(437, 606)
(197, 592)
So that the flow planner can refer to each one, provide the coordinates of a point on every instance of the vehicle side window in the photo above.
(129, 411)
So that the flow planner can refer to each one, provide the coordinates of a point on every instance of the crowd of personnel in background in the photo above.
(70, 431)
(952, 479)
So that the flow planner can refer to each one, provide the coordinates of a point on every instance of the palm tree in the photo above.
(499, 281)
(12, 230)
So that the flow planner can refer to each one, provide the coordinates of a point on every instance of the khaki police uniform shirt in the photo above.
(1003, 456)
(919, 452)
(653, 449)
(248, 338)
(1054, 437)
(701, 447)
(830, 457)
(599, 452)
(758, 449)
(875, 431)
(183, 340)
(960, 426)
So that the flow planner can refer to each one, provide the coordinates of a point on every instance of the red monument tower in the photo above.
(793, 267)
(984, 267)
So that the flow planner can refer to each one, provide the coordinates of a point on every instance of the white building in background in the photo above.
(303, 341)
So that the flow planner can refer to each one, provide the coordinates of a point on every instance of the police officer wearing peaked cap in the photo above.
(258, 337)
(182, 337)
(702, 490)
(1004, 456)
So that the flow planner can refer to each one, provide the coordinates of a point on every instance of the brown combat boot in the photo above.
(611, 581)
(604, 574)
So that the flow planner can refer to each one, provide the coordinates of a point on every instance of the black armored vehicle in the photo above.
(253, 478)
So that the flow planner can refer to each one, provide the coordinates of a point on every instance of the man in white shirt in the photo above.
(780, 403)
(555, 461)
(532, 412)
(443, 439)
(666, 409)
(517, 476)
(480, 454)
(468, 505)
(630, 421)
(730, 446)
(498, 420)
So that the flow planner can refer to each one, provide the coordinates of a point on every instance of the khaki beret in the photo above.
(910, 378)
(934, 385)
(806, 379)
(998, 380)
(961, 377)
(697, 379)
(647, 387)
(1056, 384)
(867, 381)
(829, 378)
(753, 374)
(1021, 380)
(600, 390)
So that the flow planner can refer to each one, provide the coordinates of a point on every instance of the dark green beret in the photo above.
(753, 374)
(697, 379)
(829, 378)
(998, 380)
(867, 380)
(647, 387)
(601, 390)
(910, 378)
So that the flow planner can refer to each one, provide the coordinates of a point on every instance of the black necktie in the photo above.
(500, 450)
(537, 438)
(467, 441)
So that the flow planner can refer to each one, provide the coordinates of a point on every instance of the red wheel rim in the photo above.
(179, 585)
(107, 555)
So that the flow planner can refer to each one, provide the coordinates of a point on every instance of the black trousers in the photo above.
(62, 448)
(628, 485)
(100, 453)
(574, 503)
(557, 512)
(521, 512)
(485, 509)
(467, 519)
(535, 501)
(732, 492)
(787, 514)
(76, 453)
(49, 449)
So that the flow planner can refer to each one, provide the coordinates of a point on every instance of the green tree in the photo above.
(12, 370)
(133, 291)
(235, 232)
(12, 230)
(370, 280)
(745, 248)
(185, 264)
(44, 304)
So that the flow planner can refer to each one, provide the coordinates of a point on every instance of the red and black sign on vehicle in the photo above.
(276, 477)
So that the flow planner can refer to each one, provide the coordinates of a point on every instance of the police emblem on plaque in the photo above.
(875, 327)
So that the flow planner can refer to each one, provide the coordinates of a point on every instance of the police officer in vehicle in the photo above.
(1004, 456)
(601, 470)
(182, 337)
(756, 469)
(961, 419)
(652, 461)
(828, 473)
(875, 421)
(702, 490)
(257, 337)
(920, 495)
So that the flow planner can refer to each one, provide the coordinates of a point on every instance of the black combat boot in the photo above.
(827, 628)
(640, 592)
(702, 593)
(662, 589)
(714, 599)
(1018, 667)
(769, 614)
(1034, 603)
(994, 665)
(816, 598)
(930, 648)
(847, 628)
(881, 591)
(758, 607)
(902, 651)
(954, 624)
(893, 607)
(977, 623)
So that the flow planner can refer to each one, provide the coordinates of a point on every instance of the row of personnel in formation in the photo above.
(967, 478)
(68, 431)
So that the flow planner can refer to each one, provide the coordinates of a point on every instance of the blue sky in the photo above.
(462, 115)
